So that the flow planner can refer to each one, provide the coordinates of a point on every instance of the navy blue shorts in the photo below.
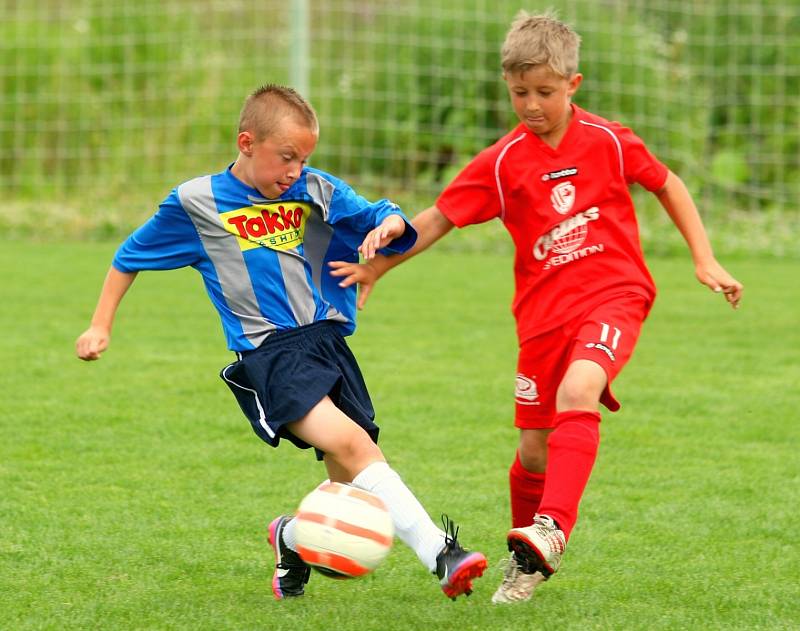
(284, 378)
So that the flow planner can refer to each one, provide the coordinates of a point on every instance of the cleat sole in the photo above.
(460, 581)
(529, 555)
(275, 583)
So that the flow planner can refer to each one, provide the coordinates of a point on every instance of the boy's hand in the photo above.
(391, 228)
(362, 273)
(92, 342)
(714, 276)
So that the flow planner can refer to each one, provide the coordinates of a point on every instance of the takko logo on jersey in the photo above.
(279, 226)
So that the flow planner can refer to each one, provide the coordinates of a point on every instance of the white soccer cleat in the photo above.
(538, 547)
(517, 586)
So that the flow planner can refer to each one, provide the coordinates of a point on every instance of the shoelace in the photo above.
(450, 532)
(546, 527)
(544, 520)
(510, 569)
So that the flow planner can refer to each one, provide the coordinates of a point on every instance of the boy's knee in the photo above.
(533, 450)
(354, 448)
(581, 387)
(573, 395)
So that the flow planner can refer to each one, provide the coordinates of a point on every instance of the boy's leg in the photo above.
(347, 447)
(572, 450)
(291, 573)
(354, 448)
(602, 345)
(526, 483)
(411, 522)
(538, 366)
(438, 550)
(540, 363)
(527, 474)
(573, 443)
(352, 457)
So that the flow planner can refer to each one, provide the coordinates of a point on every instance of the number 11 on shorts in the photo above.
(606, 329)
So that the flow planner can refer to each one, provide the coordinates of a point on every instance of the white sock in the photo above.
(288, 535)
(411, 522)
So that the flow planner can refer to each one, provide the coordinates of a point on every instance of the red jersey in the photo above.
(568, 211)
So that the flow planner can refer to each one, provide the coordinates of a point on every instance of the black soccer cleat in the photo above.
(455, 566)
(291, 573)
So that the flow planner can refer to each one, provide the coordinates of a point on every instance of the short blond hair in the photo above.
(266, 108)
(535, 40)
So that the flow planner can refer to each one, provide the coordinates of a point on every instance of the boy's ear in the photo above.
(245, 143)
(574, 83)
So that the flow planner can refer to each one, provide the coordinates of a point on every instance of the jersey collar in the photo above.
(566, 139)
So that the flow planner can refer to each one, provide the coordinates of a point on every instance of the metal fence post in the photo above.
(300, 49)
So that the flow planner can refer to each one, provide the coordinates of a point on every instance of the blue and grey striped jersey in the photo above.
(263, 261)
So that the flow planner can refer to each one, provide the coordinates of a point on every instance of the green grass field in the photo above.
(133, 494)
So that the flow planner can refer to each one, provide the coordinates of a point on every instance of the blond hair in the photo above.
(266, 108)
(535, 40)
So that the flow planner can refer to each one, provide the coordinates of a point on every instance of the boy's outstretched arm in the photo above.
(431, 225)
(96, 338)
(676, 200)
(390, 229)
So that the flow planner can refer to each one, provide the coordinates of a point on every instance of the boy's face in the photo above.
(541, 99)
(273, 164)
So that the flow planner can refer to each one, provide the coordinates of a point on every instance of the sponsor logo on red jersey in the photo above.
(564, 242)
(602, 347)
(525, 391)
(555, 175)
(563, 197)
(567, 236)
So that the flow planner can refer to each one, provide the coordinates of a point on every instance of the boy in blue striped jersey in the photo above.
(261, 233)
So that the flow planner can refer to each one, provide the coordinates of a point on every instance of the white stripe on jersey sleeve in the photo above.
(616, 141)
(497, 174)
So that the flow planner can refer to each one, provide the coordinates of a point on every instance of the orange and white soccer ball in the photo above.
(343, 531)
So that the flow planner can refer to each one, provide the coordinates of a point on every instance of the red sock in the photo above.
(526, 493)
(571, 452)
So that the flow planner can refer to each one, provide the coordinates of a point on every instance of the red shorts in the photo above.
(606, 335)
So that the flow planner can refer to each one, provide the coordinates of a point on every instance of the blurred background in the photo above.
(107, 105)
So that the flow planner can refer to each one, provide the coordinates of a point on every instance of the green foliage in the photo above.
(117, 93)
(747, 86)
(135, 495)
(729, 168)
(440, 99)
(106, 107)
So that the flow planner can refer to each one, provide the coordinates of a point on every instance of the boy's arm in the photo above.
(390, 229)
(678, 203)
(431, 225)
(96, 338)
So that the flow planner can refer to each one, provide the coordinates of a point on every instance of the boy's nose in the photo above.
(533, 108)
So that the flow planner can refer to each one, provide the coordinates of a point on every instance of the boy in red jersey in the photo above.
(559, 183)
